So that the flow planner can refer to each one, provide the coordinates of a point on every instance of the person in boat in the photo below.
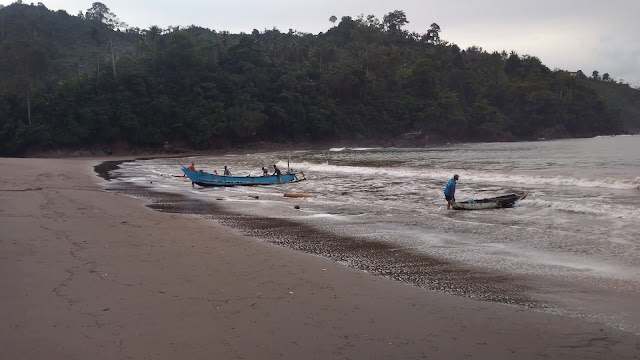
(227, 172)
(265, 172)
(192, 167)
(277, 172)
(450, 191)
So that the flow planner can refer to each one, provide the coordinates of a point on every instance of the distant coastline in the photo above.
(168, 150)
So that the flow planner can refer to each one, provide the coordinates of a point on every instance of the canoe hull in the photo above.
(206, 179)
(505, 201)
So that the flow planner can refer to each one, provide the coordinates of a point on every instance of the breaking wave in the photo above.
(473, 176)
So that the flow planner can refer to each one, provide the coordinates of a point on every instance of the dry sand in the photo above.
(86, 274)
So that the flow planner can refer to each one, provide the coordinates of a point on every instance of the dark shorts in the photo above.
(449, 198)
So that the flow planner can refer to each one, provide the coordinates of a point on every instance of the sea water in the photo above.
(572, 246)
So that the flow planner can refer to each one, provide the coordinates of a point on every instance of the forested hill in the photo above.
(87, 81)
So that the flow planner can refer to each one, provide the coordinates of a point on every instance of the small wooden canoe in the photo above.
(504, 201)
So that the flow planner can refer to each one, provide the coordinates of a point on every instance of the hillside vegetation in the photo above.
(89, 81)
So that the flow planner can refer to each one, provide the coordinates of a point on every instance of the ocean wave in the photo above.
(328, 216)
(610, 183)
(473, 176)
(608, 136)
(584, 208)
(352, 149)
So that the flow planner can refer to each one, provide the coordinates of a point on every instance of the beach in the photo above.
(87, 273)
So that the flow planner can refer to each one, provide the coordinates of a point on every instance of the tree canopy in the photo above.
(361, 80)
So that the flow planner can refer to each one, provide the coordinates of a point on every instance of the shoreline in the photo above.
(374, 257)
(384, 259)
(88, 272)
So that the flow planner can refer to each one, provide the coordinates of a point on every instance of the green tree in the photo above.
(101, 13)
(362, 79)
(182, 59)
(154, 33)
(395, 20)
(433, 34)
(28, 61)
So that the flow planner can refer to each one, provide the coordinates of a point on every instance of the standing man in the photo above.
(450, 191)
(277, 172)
(226, 171)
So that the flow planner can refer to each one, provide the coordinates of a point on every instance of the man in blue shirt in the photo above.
(450, 191)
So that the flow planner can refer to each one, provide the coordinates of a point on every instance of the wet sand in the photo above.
(88, 273)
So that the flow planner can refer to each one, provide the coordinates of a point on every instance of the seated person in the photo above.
(226, 171)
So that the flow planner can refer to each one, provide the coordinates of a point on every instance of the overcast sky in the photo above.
(572, 35)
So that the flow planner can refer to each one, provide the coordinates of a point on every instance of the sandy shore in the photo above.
(90, 274)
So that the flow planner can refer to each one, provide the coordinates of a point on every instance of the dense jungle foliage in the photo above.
(89, 81)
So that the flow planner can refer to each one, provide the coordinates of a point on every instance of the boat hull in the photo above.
(206, 179)
(505, 201)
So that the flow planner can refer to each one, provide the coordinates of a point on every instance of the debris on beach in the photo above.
(298, 195)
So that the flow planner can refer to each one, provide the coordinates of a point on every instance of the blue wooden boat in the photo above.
(206, 179)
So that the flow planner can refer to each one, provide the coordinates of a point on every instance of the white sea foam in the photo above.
(622, 212)
(608, 136)
(328, 216)
(600, 268)
(473, 176)
(352, 149)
